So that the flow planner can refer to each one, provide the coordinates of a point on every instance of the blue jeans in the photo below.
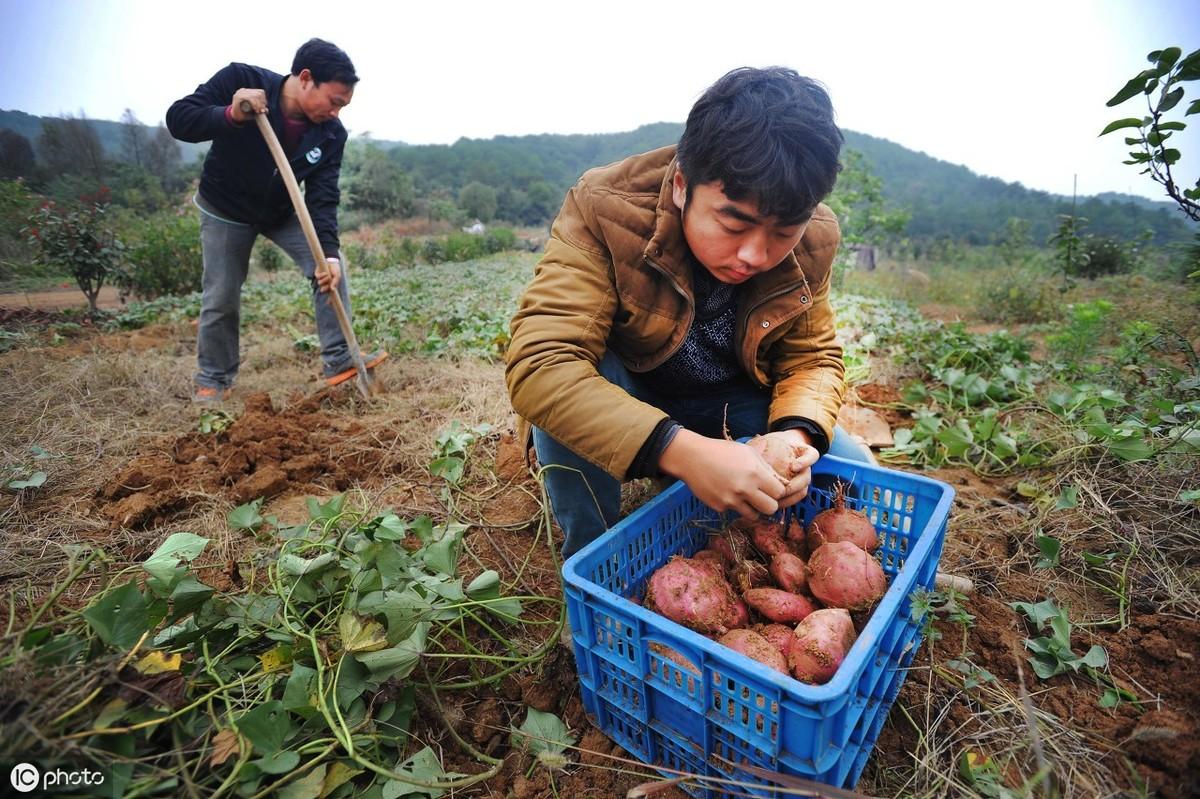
(226, 246)
(586, 500)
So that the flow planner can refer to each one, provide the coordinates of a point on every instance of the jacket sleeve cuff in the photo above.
(645, 463)
(819, 441)
(227, 114)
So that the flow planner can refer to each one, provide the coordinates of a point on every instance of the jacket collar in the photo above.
(315, 133)
(668, 248)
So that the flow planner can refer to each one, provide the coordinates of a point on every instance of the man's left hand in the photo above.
(328, 277)
(801, 466)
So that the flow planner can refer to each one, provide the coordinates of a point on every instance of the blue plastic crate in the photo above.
(723, 708)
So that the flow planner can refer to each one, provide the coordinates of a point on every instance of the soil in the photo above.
(286, 449)
(59, 299)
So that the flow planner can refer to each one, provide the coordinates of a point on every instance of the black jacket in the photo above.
(239, 178)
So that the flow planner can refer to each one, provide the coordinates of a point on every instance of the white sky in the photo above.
(1014, 90)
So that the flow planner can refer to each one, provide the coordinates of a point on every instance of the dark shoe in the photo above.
(348, 371)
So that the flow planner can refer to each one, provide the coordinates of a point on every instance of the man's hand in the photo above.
(801, 466)
(724, 475)
(328, 277)
(258, 103)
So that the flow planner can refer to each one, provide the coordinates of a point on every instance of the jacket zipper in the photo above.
(691, 301)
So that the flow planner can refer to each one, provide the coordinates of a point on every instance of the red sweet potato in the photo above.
(789, 572)
(694, 594)
(819, 645)
(777, 453)
(755, 647)
(777, 605)
(840, 523)
(843, 576)
(778, 634)
(749, 574)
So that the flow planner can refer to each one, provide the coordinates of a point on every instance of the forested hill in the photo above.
(533, 172)
(945, 199)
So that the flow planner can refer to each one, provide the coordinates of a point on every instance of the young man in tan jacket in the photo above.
(683, 291)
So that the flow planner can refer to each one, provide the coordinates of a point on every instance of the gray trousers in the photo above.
(227, 246)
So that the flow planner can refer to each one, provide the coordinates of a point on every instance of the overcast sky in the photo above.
(1014, 90)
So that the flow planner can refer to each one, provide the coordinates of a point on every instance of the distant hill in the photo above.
(30, 127)
(945, 199)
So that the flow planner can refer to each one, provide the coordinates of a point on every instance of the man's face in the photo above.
(323, 102)
(729, 237)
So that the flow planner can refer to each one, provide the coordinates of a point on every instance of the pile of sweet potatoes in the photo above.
(777, 592)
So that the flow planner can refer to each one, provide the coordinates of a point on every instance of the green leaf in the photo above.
(486, 588)
(391, 528)
(1109, 698)
(1068, 498)
(397, 661)
(1096, 657)
(266, 726)
(176, 548)
(1129, 449)
(311, 785)
(1171, 100)
(425, 767)
(35, 480)
(325, 512)
(1191, 495)
(1039, 613)
(449, 468)
(1173, 125)
(542, 732)
(1166, 59)
(1050, 549)
(246, 517)
(1134, 86)
(120, 616)
(1127, 122)
(1194, 108)
(359, 637)
(278, 762)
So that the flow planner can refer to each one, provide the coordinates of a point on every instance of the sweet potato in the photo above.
(749, 574)
(778, 634)
(755, 647)
(843, 576)
(766, 535)
(780, 606)
(777, 453)
(694, 594)
(789, 572)
(819, 645)
(840, 523)
(796, 537)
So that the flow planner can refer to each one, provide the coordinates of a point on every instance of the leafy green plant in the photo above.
(163, 256)
(1086, 324)
(1151, 151)
(28, 475)
(214, 421)
(313, 671)
(453, 444)
(76, 241)
(1052, 654)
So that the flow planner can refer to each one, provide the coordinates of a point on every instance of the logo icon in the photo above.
(25, 777)
(313, 155)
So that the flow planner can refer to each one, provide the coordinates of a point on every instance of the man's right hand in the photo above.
(724, 475)
(257, 99)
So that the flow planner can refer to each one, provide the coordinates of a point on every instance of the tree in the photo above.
(544, 202)
(77, 241)
(1150, 145)
(16, 155)
(858, 202)
(478, 200)
(162, 155)
(71, 145)
(375, 183)
(133, 138)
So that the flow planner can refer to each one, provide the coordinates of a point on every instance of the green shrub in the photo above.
(433, 251)
(268, 256)
(464, 247)
(500, 239)
(362, 256)
(1105, 256)
(164, 257)
(17, 256)
(76, 240)
(1017, 296)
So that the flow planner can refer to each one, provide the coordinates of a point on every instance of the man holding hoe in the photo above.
(242, 195)
(683, 294)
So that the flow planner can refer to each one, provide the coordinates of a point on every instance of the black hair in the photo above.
(767, 135)
(326, 61)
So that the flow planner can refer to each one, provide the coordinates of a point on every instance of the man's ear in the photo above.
(679, 189)
(305, 77)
